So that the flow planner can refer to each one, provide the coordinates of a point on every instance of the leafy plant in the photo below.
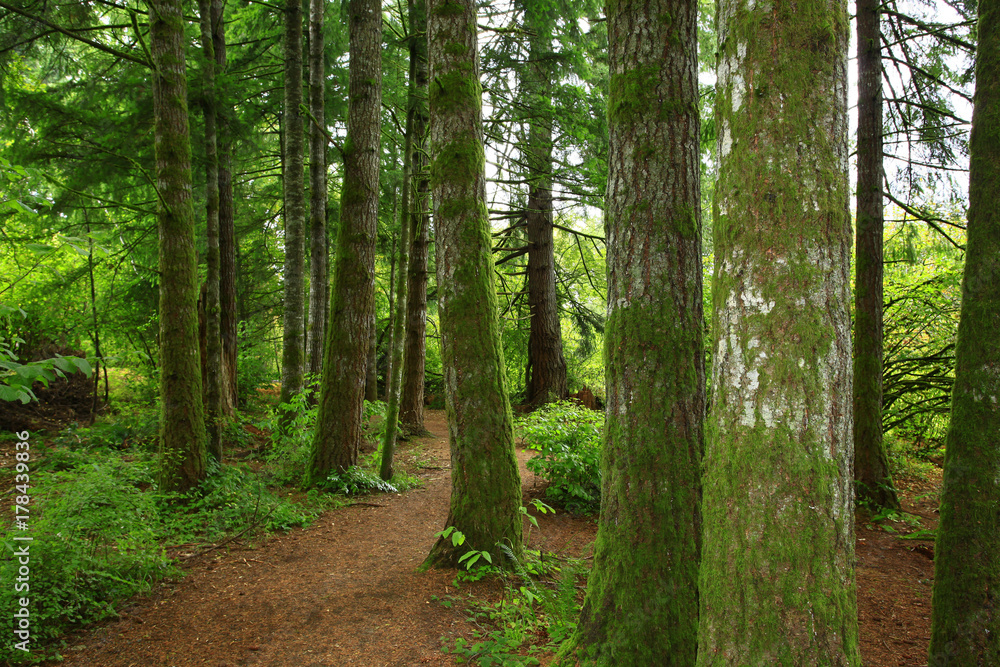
(355, 481)
(16, 378)
(568, 439)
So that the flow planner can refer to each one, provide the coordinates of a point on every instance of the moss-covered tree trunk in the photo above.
(485, 483)
(227, 219)
(871, 465)
(411, 400)
(293, 186)
(965, 625)
(352, 295)
(317, 191)
(546, 376)
(642, 599)
(182, 415)
(213, 326)
(777, 579)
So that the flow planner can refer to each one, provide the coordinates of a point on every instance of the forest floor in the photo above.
(345, 590)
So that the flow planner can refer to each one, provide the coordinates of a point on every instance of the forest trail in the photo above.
(343, 591)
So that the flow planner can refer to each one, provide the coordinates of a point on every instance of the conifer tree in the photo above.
(642, 599)
(486, 485)
(777, 579)
(182, 422)
(965, 623)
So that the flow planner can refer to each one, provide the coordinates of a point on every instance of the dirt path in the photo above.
(345, 590)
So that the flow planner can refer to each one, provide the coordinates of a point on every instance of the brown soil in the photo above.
(345, 590)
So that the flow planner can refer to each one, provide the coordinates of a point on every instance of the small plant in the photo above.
(568, 439)
(355, 481)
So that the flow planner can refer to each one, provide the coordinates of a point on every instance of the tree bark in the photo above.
(293, 339)
(317, 190)
(213, 327)
(871, 465)
(486, 485)
(649, 523)
(777, 581)
(352, 301)
(227, 222)
(411, 401)
(182, 417)
(965, 623)
(546, 376)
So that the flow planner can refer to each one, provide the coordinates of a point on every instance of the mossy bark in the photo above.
(213, 311)
(227, 219)
(777, 581)
(546, 375)
(411, 400)
(486, 485)
(871, 465)
(965, 622)
(352, 294)
(641, 606)
(182, 417)
(317, 191)
(293, 186)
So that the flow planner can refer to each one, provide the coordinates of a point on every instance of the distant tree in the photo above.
(213, 323)
(965, 623)
(642, 596)
(871, 465)
(341, 404)
(411, 400)
(318, 252)
(182, 421)
(486, 486)
(293, 185)
(227, 217)
(777, 579)
(546, 370)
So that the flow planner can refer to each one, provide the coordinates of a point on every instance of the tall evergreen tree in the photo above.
(411, 400)
(871, 465)
(642, 599)
(227, 216)
(182, 421)
(546, 374)
(485, 483)
(777, 577)
(317, 190)
(213, 323)
(293, 185)
(352, 294)
(965, 622)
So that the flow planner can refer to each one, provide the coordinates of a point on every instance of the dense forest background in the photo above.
(312, 184)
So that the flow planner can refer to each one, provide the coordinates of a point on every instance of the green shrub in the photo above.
(568, 439)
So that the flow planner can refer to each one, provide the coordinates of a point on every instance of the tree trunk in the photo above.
(546, 377)
(395, 374)
(871, 466)
(486, 486)
(649, 523)
(213, 327)
(371, 368)
(339, 424)
(965, 625)
(227, 224)
(411, 401)
(182, 417)
(317, 188)
(777, 579)
(293, 339)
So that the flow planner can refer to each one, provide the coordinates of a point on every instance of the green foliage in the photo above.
(537, 611)
(95, 542)
(16, 378)
(356, 481)
(254, 371)
(568, 439)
